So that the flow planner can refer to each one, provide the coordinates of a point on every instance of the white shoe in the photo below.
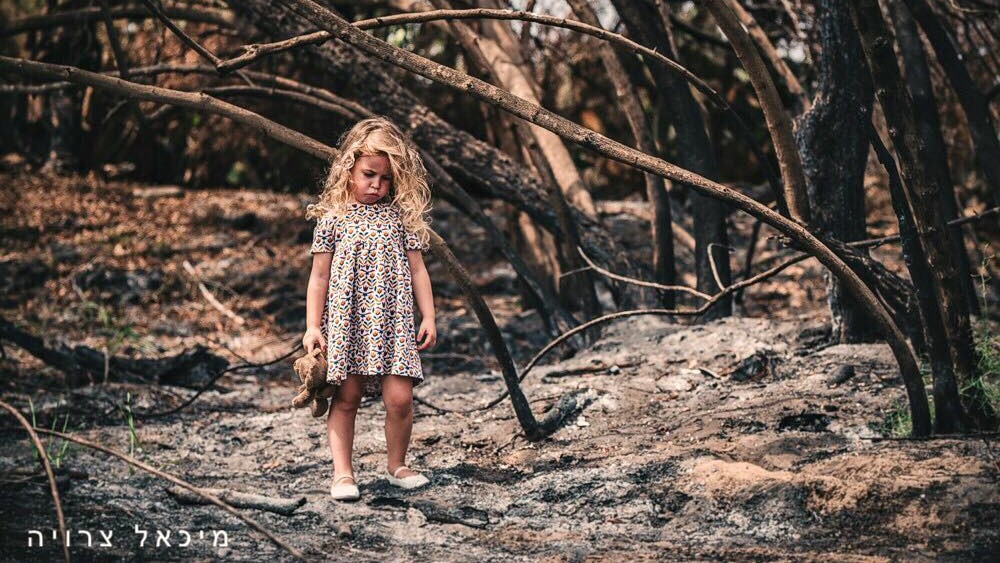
(344, 491)
(410, 482)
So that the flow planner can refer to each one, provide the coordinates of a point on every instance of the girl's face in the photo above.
(371, 178)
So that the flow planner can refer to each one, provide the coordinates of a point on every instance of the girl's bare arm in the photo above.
(427, 333)
(319, 283)
(422, 293)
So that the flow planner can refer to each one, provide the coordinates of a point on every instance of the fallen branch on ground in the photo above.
(86, 361)
(282, 506)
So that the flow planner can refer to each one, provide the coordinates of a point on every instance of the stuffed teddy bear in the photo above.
(314, 389)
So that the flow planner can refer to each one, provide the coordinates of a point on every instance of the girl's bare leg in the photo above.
(340, 424)
(397, 396)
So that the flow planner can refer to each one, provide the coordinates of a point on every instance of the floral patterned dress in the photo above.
(368, 315)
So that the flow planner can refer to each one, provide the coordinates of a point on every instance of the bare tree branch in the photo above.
(204, 102)
(187, 39)
(255, 51)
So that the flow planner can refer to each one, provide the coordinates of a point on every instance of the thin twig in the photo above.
(713, 265)
(184, 37)
(642, 283)
(53, 490)
(187, 39)
(211, 298)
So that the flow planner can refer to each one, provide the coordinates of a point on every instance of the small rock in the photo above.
(842, 374)
(607, 404)
(415, 518)
(581, 421)
(673, 383)
(754, 367)
(344, 530)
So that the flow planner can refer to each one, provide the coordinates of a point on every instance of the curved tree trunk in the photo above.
(779, 125)
(798, 101)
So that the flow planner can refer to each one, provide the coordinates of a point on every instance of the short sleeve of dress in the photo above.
(412, 241)
(323, 236)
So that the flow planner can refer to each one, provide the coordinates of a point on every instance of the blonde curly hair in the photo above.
(409, 193)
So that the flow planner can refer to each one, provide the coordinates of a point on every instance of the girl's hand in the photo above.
(427, 333)
(312, 338)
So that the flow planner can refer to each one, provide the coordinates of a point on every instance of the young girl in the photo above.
(367, 268)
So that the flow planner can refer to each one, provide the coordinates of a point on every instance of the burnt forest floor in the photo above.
(673, 454)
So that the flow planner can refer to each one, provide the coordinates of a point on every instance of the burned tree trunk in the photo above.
(74, 45)
(833, 140)
(921, 192)
(974, 104)
(918, 78)
(694, 152)
(930, 314)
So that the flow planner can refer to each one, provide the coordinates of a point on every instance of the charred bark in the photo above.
(921, 192)
(918, 78)
(76, 46)
(973, 102)
(832, 137)
(930, 314)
